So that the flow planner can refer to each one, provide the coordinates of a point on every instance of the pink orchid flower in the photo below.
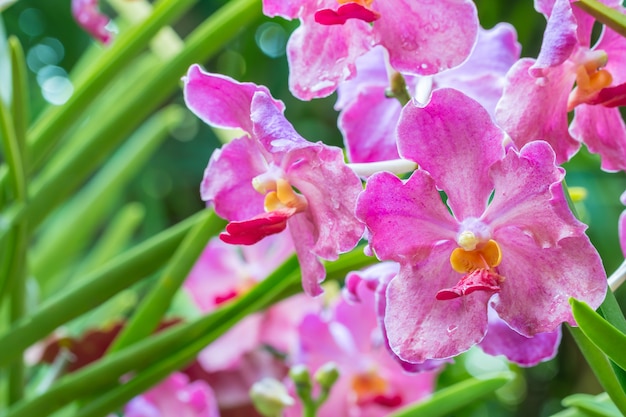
(421, 37)
(174, 397)
(91, 20)
(272, 179)
(505, 237)
(371, 382)
(540, 93)
(368, 118)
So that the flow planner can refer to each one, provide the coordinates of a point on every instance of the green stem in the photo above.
(604, 14)
(150, 312)
(18, 263)
(94, 289)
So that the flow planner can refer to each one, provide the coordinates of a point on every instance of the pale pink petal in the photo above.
(525, 351)
(219, 100)
(406, 220)
(320, 57)
(425, 37)
(313, 272)
(559, 40)
(371, 72)
(603, 130)
(289, 9)
(482, 76)
(419, 326)
(614, 45)
(547, 276)
(368, 126)
(528, 195)
(536, 108)
(227, 181)
(226, 352)
(331, 190)
(455, 140)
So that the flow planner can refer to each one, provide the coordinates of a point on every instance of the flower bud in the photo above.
(270, 397)
(327, 375)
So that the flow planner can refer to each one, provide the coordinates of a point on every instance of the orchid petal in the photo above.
(454, 139)
(525, 351)
(536, 108)
(406, 220)
(91, 20)
(219, 100)
(547, 276)
(419, 326)
(603, 130)
(426, 43)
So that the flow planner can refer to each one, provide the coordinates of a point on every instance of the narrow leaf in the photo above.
(455, 397)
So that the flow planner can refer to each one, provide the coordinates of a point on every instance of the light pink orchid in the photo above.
(272, 179)
(421, 37)
(368, 118)
(174, 397)
(91, 20)
(371, 382)
(540, 93)
(241, 356)
(505, 237)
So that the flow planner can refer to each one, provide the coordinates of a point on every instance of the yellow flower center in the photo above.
(367, 385)
(279, 194)
(486, 257)
(364, 3)
(590, 78)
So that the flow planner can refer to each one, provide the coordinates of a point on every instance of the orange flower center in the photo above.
(590, 78)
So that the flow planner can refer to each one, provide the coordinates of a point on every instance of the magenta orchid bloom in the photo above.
(273, 179)
(505, 238)
(88, 16)
(368, 117)
(371, 383)
(174, 397)
(541, 92)
(422, 37)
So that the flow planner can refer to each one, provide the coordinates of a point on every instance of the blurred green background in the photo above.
(168, 186)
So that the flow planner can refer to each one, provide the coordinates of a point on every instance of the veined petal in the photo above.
(528, 196)
(536, 108)
(227, 181)
(219, 100)
(548, 277)
(288, 9)
(525, 351)
(614, 45)
(320, 56)
(419, 326)
(302, 232)
(406, 220)
(455, 140)
(331, 190)
(559, 40)
(603, 130)
(425, 37)
(371, 72)
(368, 125)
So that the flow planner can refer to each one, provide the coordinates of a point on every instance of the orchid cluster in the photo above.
(428, 262)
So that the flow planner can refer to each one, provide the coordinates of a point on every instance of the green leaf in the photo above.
(153, 307)
(94, 289)
(610, 17)
(593, 406)
(603, 334)
(455, 397)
